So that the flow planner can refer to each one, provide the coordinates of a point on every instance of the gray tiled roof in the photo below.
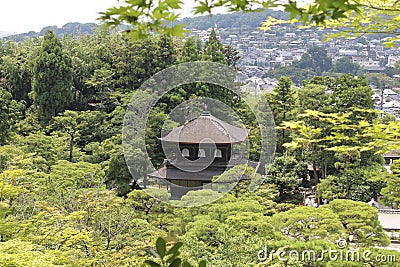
(206, 127)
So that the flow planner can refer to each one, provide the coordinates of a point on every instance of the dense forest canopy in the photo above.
(67, 197)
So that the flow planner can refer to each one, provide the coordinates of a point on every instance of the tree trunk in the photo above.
(71, 147)
(281, 191)
(314, 166)
(315, 173)
(347, 185)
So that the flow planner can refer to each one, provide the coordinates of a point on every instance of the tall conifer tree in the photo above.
(213, 49)
(282, 101)
(52, 78)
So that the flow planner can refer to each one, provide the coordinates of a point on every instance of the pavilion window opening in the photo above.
(202, 153)
(185, 153)
(218, 153)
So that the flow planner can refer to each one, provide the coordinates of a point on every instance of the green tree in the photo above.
(213, 49)
(350, 92)
(235, 180)
(166, 54)
(147, 199)
(231, 55)
(14, 157)
(312, 96)
(102, 80)
(353, 141)
(191, 50)
(391, 192)
(320, 58)
(308, 223)
(52, 78)
(391, 71)
(315, 58)
(67, 175)
(10, 112)
(332, 187)
(297, 75)
(380, 80)
(306, 62)
(286, 172)
(10, 190)
(24, 253)
(282, 101)
(16, 64)
(199, 197)
(362, 182)
(346, 65)
(230, 232)
(118, 175)
(360, 220)
(148, 57)
(48, 149)
(69, 123)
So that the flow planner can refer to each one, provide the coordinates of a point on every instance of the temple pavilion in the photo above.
(204, 149)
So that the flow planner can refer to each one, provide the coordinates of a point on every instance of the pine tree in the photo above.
(191, 50)
(282, 101)
(213, 49)
(231, 55)
(166, 52)
(52, 78)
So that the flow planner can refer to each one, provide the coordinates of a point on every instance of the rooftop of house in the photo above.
(206, 129)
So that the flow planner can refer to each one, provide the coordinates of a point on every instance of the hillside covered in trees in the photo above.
(73, 28)
(245, 21)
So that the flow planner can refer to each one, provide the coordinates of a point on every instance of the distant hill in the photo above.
(236, 20)
(72, 28)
